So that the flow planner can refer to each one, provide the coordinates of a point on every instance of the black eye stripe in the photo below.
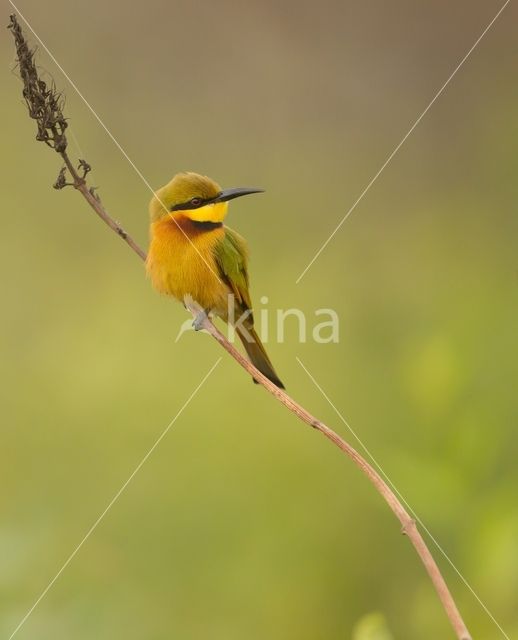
(185, 206)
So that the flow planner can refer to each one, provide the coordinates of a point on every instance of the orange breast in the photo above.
(181, 262)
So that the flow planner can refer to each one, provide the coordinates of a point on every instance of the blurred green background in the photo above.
(244, 523)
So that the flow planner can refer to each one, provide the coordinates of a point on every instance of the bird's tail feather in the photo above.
(258, 356)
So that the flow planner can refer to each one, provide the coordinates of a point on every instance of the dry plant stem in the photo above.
(93, 200)
(409, 527)
(45, 107)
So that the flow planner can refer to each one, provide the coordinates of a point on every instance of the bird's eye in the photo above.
(196, 202)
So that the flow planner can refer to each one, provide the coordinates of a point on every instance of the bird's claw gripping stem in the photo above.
(199, 320)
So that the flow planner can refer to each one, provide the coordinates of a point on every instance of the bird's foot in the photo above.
(199, 320)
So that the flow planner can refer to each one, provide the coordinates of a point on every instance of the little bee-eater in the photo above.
(192, 253)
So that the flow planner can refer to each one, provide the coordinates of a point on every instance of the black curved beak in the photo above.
(236, 192)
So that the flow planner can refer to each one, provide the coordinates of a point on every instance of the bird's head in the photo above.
(196, 197)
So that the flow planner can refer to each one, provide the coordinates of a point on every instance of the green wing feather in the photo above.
(232, 258)
(231, 255)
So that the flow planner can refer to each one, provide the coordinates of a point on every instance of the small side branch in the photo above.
(45, 106)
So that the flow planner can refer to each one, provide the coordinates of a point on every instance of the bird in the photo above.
(193, 254)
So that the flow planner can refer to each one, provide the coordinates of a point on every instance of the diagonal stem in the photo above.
(79, 183)
(408, 524)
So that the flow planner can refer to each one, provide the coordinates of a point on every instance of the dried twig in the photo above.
(45, 105)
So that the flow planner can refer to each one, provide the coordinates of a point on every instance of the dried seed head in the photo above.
(44, 103)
